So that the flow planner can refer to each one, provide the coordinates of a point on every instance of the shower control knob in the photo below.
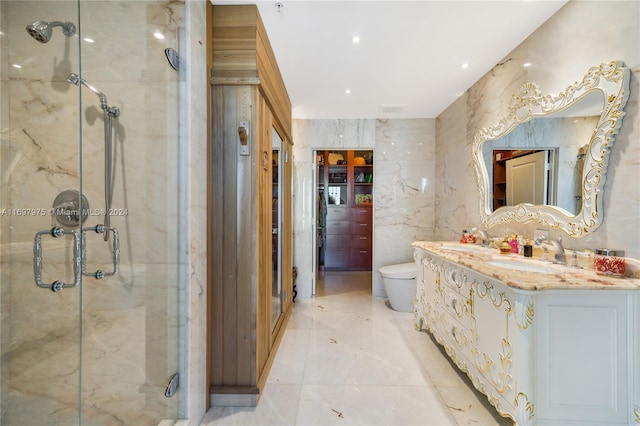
(99, 274)
(57, 286)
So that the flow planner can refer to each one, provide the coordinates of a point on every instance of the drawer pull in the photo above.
(363, 251)
(364, 238)
(363, 224)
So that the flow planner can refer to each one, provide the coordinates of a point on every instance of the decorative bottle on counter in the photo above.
(505, 248)
(467, 237)
(513, 243)
(609, 262)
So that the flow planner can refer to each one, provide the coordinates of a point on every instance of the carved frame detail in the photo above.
(612, 79)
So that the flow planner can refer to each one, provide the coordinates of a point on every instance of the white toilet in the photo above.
(400, 285)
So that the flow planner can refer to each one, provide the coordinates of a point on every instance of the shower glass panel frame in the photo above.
(102, 352)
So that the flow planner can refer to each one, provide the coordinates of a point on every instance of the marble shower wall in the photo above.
(192, 296)
(579, 36)
(403, 155)
(130, 322)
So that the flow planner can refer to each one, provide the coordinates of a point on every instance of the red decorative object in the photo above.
(609, 262)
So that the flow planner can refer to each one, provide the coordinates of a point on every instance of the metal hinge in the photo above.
(172, 387)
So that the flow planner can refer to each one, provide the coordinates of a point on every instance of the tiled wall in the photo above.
(579, 36)
(404, 153)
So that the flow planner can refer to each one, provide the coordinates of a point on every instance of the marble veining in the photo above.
(556, 57)
(404, 152)
(562, 277)
(347, 359)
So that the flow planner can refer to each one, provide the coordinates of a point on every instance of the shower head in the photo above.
(42, 30)
(77, 80)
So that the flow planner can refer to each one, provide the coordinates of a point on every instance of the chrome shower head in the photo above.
(42, 30)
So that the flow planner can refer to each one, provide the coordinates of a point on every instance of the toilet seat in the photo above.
(403, 271)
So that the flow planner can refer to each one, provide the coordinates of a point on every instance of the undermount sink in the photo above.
(521, 265)
(461, 247)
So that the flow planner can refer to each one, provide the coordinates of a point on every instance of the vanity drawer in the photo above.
(457, 306)
(458, 337)
(456, 279)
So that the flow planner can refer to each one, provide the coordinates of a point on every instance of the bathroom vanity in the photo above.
(547, 344)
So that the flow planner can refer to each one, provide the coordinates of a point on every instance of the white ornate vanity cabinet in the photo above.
(546, 349)
(547, 344)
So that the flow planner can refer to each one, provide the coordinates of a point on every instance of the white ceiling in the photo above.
(409, 56)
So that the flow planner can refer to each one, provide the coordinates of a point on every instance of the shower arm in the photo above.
(109, 114)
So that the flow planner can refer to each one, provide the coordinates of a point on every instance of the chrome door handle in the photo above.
(99, 229)
(37, 258)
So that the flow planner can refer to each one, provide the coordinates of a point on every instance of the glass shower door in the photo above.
(40, 277)
(102, 348)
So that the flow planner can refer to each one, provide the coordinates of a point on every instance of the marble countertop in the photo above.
(549, 277)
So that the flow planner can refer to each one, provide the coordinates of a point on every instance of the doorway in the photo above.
(344, 214)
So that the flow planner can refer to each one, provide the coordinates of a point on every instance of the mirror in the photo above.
(570, 135)
(276, 227)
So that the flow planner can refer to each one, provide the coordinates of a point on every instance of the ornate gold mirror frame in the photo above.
(612, 79)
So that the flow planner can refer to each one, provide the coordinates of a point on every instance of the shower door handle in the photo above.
(37, 258)
(99, 229)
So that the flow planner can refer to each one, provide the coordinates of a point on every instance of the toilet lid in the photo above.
(403, 270)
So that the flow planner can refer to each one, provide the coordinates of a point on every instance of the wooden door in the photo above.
(527, 179)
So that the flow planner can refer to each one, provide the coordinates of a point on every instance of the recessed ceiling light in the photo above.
(526, 64)
(355, 39)
(464, 65)
(18, 66)
(158, 35)
(88, 40)
(347, 91)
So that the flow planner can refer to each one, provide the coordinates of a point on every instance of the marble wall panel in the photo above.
(404, 161)
(607, 31)
(404, 152)
(192, 210)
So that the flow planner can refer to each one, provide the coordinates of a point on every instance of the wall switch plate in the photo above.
(540, 233)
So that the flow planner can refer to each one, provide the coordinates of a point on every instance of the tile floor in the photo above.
(348, 359)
